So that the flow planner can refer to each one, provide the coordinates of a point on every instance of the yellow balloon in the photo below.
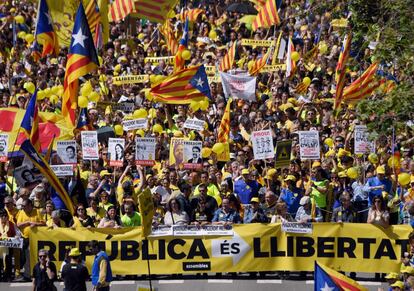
(55, 89)
(48, 92)
(393, 162)
(373, 158)
(60, 92)
(307, 81)
(295, 56)
(204, 104)
(212, 34)
(86, 89)
(186, 55)
(329, 142)
(194, 105)
(40, 95)
(206, 152)
(21, 34)
(29, 38)
(140, 113)
(54, 99)
(404, 179)
(218, 148)
(323, 48)
(119, 130)
(152, 113)
(82, 102)
(94, 96)
(117, 68)
(352, 173)
(30, 87)
(157, 128)
(19, 19)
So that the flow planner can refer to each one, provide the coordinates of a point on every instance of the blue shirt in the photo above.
(231, 216)
(373, 182)
(246, 190)
(292, 199)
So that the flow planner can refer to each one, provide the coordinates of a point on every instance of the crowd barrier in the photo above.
(243, 248)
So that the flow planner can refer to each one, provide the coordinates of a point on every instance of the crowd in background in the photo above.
(242, 190)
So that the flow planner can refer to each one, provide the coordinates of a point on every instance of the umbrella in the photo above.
(244, 8)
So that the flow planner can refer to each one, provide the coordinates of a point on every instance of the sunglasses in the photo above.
(42, 256)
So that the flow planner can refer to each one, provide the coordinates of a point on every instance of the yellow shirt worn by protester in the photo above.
(212, 190)
(12, 214)
(49, 223)
(96, 215)
(33, 216)
(105, 206)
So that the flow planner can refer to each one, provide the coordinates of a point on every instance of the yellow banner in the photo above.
(257, 42)
(273, 68)
(246, 248)
(130, 79)
(156, 60)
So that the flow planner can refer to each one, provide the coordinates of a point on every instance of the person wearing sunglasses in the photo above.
(44, 273)
(378, 214)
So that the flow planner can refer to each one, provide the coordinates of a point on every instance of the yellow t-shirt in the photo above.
(96, 215)
(33, 216)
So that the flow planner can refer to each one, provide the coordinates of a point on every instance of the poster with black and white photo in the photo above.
(89, 145)
(66, 150)
(116, 148)
(262, 142)
(25, 176)
(192, 154)
(145, 151)
(4, 145)
(309, 145)
(361, 143)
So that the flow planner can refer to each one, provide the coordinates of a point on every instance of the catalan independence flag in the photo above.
(224, 129)
(30, 122)
(183, 86)
(228, 60)
(153, 10)
(83, 120)
(290, 64)
(93, 15)
(259, 64)
(82, 59)
(120, 9)
(191, 14)
(44, 32)
(267, 16)
(44, 168)
(172, 42)
(341, 70)
(329, 279)
(364, 86)
(179, 62)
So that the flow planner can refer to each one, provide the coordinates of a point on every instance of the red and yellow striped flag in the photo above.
(290, 64)
(341, 70)
(228, 59)
(153, 10)
(302, 88)
(267, 16)
(259, 64)
(93, 15)
(224, 129)
(192, 14)
(172, 42)
(258, 3)
(120, 9)
(364, 86)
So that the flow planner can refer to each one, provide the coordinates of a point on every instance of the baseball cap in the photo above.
(398, 284)
(104, 173)
(392, 275)
(304, 200)
(254, 199)
(380, 170)
(290, 178)
(74, 252)
(245, 172)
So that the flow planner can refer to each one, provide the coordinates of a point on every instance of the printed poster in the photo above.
(309, 145)
(66, 150)
(116, 148)
(4, 145)
(262, 145)
(89, 145)
(145, 151)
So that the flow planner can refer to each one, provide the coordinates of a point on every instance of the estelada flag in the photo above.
(30, 122)
(183, 86)
(44, 30)
(329, 279)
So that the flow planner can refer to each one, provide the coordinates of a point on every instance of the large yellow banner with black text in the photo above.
(246, 248)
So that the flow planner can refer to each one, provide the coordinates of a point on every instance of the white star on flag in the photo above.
(83, 117)
(49, 19)
(79, 38)
(327, 288)
(199, 82)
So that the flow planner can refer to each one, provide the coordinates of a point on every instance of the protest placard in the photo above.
(62, 170)
(116, 148)
(124, 106)
(238, 86)
(4, 145)
(193, 123)
(361, 143)
(297, 227)
(66, 150)
(192, 154)
(283, 150)
(12, 242)
(309, 145)
(25, 176)
(89, 145)
(176, 157)
(262, 142)
(140, 123)
(145, 151)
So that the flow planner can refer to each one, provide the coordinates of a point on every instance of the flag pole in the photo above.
(14, 168)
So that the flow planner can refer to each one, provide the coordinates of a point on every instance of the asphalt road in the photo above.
(208, 284)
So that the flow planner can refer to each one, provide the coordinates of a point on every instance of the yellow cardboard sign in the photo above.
(210, 70)
(257, 42)
(130, 79)
(273, 68)
(348, 247)
(156, 60)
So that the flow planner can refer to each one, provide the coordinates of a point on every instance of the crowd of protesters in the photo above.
(242, 190)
